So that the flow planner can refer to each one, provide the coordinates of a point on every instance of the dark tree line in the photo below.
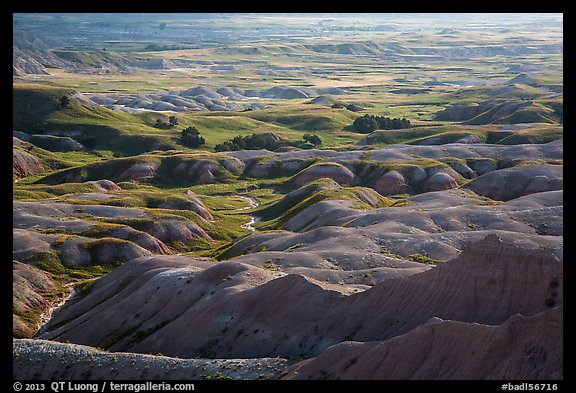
(368, 123)
(350, 107)
(191, 137)
(265, 141)
(249, 142)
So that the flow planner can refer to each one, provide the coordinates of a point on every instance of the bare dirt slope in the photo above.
(33, 291)
(239, 310)
(525, 348)
(438, 225)
(48, 360)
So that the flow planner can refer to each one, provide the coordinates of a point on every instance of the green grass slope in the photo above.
(37, 110)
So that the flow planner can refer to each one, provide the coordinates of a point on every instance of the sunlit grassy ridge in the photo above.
(37, 110)
(493, 134)
(277, 212)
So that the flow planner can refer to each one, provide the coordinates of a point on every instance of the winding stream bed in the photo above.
(253, 219)
(46, 316)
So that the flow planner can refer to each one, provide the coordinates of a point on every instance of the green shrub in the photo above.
(190, 137)
(312, 138)
(422, 259)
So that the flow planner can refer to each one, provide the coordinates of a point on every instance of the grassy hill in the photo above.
(37, 110)
(492, 134)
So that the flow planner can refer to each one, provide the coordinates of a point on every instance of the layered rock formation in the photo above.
(34, 292)
(522, 348)
(238, 310)
(511, 183)
(201, 98)
(24, 164)
(336, 172)
(423, 168)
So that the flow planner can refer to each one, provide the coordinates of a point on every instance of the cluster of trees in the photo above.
(64, 102)
(312, 138)
(250, 142)
(263, 141)
(190, 137)
(350, 107)
(368, 123)
(172, 122)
